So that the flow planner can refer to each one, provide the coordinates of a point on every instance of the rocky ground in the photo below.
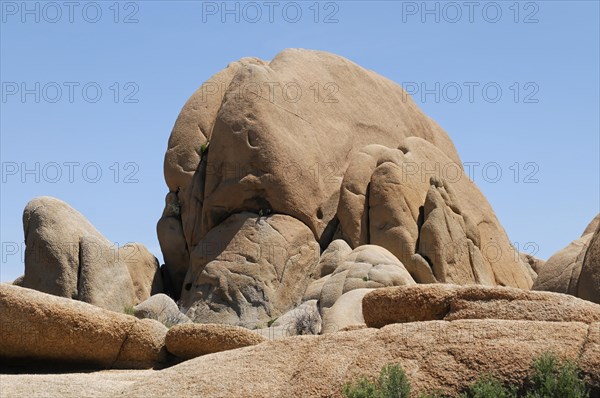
(306, 243)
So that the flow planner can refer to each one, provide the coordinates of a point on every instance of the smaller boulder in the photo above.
(18, 281)
(452, 302)
(346, 313)
(367, 266)
(192, 340)
(161, 308)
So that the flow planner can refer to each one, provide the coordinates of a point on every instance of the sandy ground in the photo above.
(106, 383)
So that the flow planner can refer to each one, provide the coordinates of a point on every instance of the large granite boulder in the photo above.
(66, 256)
(277, 137)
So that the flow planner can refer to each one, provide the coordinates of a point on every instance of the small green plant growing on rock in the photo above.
(204, 148)
(129, 310)
(271, 322)
(392, 383)
(553, 378)
(489, 387)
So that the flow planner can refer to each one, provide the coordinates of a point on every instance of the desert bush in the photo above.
(392, 383)
(128, 309)
(305, 322)
(489, 387)
(553, 378)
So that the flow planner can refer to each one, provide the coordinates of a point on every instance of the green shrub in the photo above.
(129, 310)
(363, 388)
(392, 383)
(553, 378)
(489, 387)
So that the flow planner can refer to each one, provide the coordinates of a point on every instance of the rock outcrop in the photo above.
(192, 340)
(66, 256)
(435, 355)
(258, 137)
(43, 328)
(450, 302)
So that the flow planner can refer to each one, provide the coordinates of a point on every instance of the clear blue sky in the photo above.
(550, 49)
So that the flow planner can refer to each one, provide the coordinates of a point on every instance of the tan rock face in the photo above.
(66, 256)
(561, 272)
(192, 340)
(249, 270)
(588, 286)
(436, 355)
(417, 203)
(103, 280)
(275, 145)
(46, 328)
(592, 226)
(451, 302)
(53, 231)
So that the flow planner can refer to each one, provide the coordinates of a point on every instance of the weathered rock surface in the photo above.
(249, 269)
(101, 384)
(561, 272)
(367, 266)
(162, 308)
(421, 206)
(450, 302)
(588, 287)
(53, 231)
(534, 263)
(191, 340)
(66, 256)
(182, 159)
(45, 328)
(274, 145)
(436, 355)
(103, 279)
(592, 226)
